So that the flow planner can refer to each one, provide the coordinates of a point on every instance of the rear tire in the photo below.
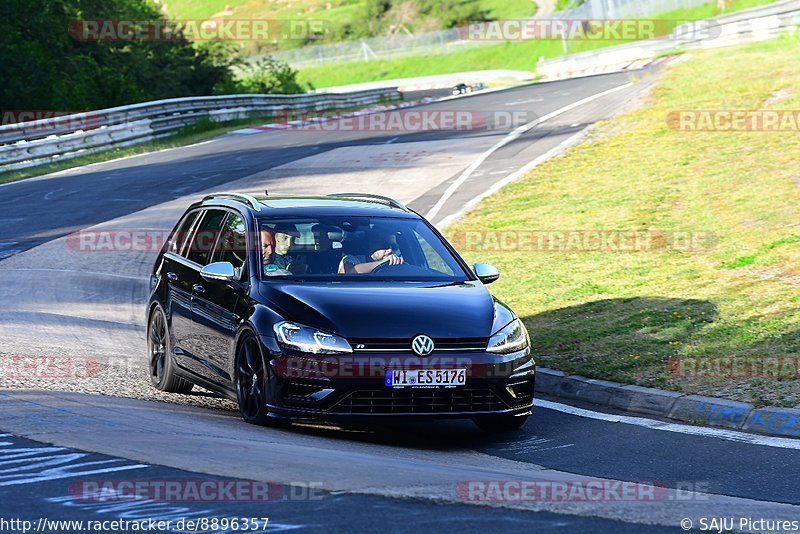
(252, 384)
(500, 423)
(159, 349)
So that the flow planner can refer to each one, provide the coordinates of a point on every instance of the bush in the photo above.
(269, 76)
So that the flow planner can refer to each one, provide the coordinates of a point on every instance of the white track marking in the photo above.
(706, 432)
(76, 271)
(507, 139)
(72, 170)
(512, 177)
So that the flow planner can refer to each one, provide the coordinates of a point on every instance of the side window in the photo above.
(181, 232)
(204, 238)
(232, 244)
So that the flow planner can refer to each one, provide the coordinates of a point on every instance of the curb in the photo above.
(693, 409)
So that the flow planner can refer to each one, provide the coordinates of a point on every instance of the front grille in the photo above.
(470, 344)
(419, 401)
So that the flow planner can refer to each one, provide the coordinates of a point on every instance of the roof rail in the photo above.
(241, 197)
(386, 200)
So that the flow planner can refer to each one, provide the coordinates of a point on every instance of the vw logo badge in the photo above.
(422, 345)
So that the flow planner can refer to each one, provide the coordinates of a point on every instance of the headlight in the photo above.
(511, 338)
(306, 339)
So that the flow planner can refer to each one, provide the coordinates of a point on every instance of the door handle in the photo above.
(199, 289)
(172, 277)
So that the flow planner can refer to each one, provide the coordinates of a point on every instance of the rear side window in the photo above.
(204, 238)
(232, 244)
(181, 232)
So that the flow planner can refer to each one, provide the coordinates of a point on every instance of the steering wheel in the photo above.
(382, 267)
(401, 269)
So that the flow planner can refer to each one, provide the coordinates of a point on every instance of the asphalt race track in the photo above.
(60, 300)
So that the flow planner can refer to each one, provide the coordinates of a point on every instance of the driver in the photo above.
(386, 251)
(275, 246)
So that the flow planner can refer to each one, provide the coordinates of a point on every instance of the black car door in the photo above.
(179, 275)
(196, 254)
(218, 307)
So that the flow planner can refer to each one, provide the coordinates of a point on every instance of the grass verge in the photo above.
(508, 55)
(733, 292)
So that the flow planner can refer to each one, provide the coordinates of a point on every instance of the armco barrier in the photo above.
(32, 143)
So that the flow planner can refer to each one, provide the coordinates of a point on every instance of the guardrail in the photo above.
(748, 25)
(27, 144)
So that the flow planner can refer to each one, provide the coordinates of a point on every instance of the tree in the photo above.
(44, 67)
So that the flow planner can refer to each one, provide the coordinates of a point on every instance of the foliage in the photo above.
(44, 67)
(270, 76)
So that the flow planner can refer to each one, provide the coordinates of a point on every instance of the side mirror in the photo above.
(486, 273)
(219, 271)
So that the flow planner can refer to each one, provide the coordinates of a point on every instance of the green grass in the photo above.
(508, 55)
(622, 315)
(340, 10)
(336, 13)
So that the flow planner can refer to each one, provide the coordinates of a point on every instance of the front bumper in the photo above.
(352, 386)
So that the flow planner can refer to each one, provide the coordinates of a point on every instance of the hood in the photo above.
(386, 310)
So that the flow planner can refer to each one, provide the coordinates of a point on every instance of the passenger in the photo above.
(386, 251)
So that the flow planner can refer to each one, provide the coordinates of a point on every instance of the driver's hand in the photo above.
(393, 260)
(381, 254)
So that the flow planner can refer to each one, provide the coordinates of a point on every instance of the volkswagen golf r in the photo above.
(347, 307)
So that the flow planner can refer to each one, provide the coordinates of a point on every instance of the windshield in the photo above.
(364, 248)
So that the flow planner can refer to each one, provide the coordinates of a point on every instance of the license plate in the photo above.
(425, 377)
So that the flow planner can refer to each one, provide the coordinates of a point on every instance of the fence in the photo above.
(448, 41)
(754, 24)
(625, 9)
(32, 143)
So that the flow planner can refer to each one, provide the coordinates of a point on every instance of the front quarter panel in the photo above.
(502, 315)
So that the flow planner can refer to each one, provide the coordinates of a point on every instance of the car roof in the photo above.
(311, 206)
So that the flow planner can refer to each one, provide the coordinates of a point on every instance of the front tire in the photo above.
(159, 349)
(500, 423)
(252, 384)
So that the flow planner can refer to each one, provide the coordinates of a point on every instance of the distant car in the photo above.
(347, 307)
(464, 88)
